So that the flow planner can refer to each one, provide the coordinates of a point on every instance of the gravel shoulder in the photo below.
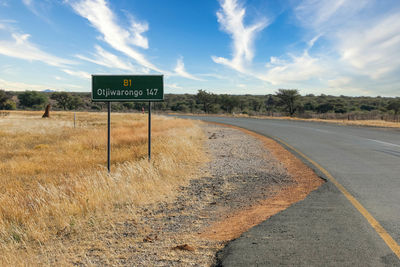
(242, 185)
(240, 173)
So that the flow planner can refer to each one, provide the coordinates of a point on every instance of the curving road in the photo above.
(366, 161)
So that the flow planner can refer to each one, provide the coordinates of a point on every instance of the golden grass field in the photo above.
(53, 176)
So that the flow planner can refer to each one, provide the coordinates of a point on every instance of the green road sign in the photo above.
(116, 88)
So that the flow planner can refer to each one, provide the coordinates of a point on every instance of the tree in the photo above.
(67, 100)
(9, 105)
(206, 99)
(269, 103)
(228, 103)
(3, 99)
(75, 102)
(288, 98)
(32, 99)
(325, 107)
(395, 106)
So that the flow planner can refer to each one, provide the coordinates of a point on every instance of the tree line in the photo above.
(284, 102)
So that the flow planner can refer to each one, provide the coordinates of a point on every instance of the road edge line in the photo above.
(392, 244)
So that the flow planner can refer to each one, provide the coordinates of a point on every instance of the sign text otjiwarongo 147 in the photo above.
(117, 88)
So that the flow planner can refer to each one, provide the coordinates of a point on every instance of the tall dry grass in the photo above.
(53, 175)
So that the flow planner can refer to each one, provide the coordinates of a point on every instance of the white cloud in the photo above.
(214, 75)
(98, 13)
(79, 74)
(39, 8)
(180, 70)
(173, 86)
(366, 37)
(298, 68)
(361, 39)
(231, 19)
(27, 2)
(373, 50)
(137, 29)
(339, 81)
(22, 48)
(109, 60)
(323, 15)
(19, 86)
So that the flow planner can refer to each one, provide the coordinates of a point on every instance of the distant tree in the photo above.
(269, 103)
(3, 99)
(367, 107)
(325, 107)
(228, 102)
(309, 105)
(395, 106)
(63, 99)
(75, 102)
(340, 108)
(192, 105)
(32, 99)
(256, 104)
(9, 105)
(288, 98)
(206, 99)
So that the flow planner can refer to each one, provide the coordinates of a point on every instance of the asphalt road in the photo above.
(326, 229)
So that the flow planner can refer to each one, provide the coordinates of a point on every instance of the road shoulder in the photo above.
(322, 230)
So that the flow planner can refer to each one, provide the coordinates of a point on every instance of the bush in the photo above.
(32, 99)
(10, 105)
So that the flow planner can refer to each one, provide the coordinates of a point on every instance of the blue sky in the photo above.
(337, 47)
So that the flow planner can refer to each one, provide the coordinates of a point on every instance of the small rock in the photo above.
(184, 247)
(150, 238)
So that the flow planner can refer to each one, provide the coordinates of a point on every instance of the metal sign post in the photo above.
(108, 135)
(149, 132)
(131, 88)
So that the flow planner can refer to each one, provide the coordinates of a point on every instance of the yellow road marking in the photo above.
(371, 220)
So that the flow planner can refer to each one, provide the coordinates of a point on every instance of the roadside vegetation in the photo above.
(53, 176)
(284, 102)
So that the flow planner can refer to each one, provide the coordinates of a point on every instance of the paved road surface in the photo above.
(325, 229)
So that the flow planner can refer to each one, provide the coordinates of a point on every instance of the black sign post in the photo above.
(131, 88)
(149, 132)
(108, 135)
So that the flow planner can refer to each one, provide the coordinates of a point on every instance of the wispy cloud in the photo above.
(180, 70)
(323, 15)
(173, 86)
(22, 48)
(231, 19)
(339, 81)
(366, 37)
(39, 8)
(296, 69)
(373, 50)
(4, 3)
(79, 74)
(109, 60)
(19, 86)
(101, 17)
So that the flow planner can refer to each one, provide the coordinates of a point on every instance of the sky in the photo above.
(333, 47)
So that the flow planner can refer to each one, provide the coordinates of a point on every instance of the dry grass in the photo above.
(52, 176)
